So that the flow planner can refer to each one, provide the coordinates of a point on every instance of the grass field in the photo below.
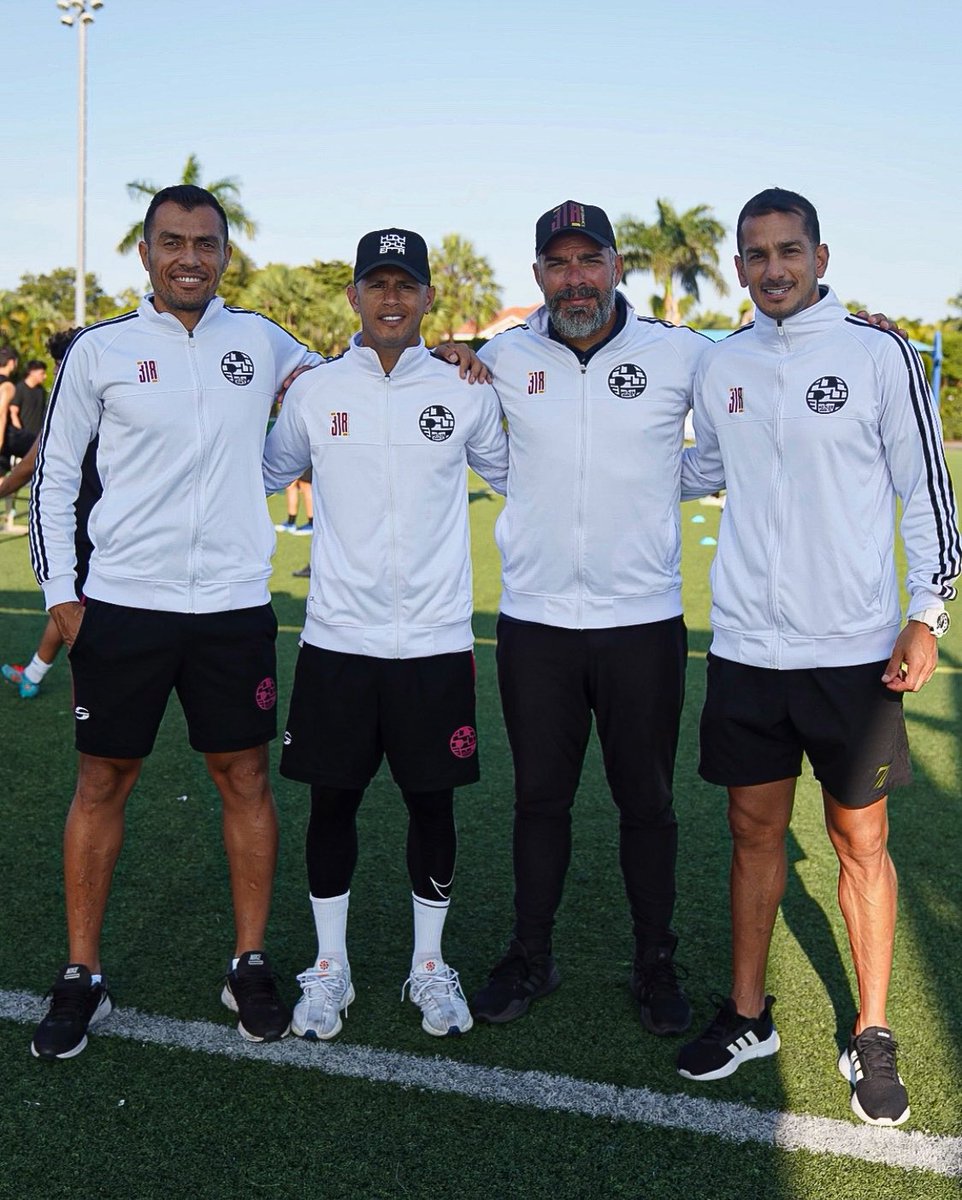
(573, 1101)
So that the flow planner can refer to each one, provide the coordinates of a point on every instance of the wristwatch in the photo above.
(937, 620)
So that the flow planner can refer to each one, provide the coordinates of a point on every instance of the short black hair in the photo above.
(780, 200)
(34, 365)
(188, 196)
(57, 343)
(7, 354)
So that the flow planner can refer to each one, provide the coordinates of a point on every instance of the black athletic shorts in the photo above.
(127, 661)
(350, 710)
(757, 723)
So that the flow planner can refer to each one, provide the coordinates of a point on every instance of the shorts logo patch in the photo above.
(81, 713)
(266, 694)
(464, 742)
(287, 739)
(627, 381)
(237, 367)
(436, 423)
(881, 775)
(827, 395)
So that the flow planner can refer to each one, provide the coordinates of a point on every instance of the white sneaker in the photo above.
(327, 992)
(436, 990)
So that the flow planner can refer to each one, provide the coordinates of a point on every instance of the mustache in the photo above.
(584, 292)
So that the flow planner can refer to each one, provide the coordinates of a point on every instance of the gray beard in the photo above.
(581, 324)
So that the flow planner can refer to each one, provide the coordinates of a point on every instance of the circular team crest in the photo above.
(436, 423)
(827, 395)
(237, 367)
(627, 380)
(464, 742)
(266, 694)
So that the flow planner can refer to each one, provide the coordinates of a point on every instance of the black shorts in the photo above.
(757, 723)
(126, 662)
(350, 710)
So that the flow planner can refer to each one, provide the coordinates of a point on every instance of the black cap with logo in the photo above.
(572, 217)
(393, 248)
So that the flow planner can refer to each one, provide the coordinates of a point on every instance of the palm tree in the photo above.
(466, 289)
(678, 247)
(226, 190)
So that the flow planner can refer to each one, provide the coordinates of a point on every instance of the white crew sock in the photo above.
(429, 918)
(330, 921)
(36, 669)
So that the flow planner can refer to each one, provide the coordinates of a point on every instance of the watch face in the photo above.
(941, 624)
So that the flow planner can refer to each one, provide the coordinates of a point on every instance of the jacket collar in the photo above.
(168, 323)
(809, 322)
(411, 360)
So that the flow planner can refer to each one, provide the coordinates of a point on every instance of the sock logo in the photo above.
(81, 713)
(255, 959)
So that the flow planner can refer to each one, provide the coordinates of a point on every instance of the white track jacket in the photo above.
(590, 535)
(815, 424)
(391, 551)
(182, 525)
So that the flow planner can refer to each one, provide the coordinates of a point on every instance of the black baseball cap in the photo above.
(393, 248)
(572, 217)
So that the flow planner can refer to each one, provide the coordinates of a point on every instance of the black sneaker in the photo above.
(75, 1005)
(729, 1040)
(250, 990)
(513, 983)
(654, 982)
(868, 1063)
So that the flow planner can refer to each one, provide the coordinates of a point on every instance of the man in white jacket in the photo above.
(386, 666)
(176, 598)
(815, 422)
(591, 619)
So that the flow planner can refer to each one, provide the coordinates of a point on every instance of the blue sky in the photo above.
(340, 118)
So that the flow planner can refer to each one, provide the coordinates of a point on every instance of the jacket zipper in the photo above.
(393, 517)
(200, 474)
(583, 483)
(777, 465)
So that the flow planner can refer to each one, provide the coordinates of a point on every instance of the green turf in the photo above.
(218, 1128)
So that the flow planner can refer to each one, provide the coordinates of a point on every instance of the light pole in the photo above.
(78, 12)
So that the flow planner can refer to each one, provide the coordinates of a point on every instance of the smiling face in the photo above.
(578, 278)
(391, 304)
(779, 264)
(185, 259)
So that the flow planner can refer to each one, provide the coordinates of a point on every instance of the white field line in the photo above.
(535, 1089)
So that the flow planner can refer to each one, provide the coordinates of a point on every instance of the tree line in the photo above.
(678, 250)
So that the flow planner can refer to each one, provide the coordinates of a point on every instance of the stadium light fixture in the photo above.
(72, 10)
